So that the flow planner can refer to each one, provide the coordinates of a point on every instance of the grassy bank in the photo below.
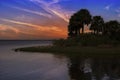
(83, 45)
(81, 51)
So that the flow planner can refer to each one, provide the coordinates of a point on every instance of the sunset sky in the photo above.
(48, 19)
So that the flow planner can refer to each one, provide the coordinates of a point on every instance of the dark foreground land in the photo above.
(86, 45)
(80, 51)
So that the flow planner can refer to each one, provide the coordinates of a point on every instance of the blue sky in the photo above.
(48, 19)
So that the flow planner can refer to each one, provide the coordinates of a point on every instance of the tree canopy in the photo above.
(98, 25)
(77, 22)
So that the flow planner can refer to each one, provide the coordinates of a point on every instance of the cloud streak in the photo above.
(118, 11)
(33, 12)
(30, 30)
(6, 28)
(107, 7)
(38, 27)
(16, 30)
(11, 32)
(55, 10)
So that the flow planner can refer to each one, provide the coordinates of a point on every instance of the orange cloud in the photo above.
(38, 27)
(6, 28)
(33, 31)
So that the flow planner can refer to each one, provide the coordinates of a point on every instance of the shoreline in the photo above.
(72, 51)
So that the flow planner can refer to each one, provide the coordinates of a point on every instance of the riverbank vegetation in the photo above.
(75, 51)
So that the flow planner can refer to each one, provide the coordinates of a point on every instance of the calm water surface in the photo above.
(41, 66)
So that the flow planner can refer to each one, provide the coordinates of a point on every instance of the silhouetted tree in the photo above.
(97, 24)
(77, 21)
(112, 28)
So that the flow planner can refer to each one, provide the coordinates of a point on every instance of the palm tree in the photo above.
(97, 24)
(78, 20)
(71, 30)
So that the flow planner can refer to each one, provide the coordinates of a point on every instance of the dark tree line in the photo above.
(98, 25)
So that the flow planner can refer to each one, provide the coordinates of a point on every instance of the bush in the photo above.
(86, 40)
(65, 42)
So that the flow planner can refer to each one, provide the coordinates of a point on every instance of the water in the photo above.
(46, 66)
(94, 68)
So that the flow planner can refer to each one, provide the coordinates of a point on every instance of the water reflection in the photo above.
(46, 66)
(94, 68)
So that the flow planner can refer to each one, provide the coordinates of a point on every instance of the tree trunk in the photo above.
(76, 32)
(97, 32)
(94, 31)
(82, 29)
(79, 31)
